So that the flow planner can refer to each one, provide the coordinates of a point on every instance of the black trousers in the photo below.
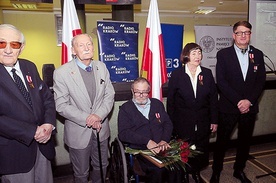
(227, 123)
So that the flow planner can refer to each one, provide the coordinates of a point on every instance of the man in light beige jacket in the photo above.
(84, 96)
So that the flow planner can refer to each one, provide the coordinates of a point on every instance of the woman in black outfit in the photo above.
(192, 105)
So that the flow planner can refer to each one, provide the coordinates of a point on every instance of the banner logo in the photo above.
(207, 44)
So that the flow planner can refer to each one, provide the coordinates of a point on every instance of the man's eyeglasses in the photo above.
(138, 94)
(241, 33)
(13, 44)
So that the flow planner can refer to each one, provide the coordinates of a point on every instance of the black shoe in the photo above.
(241, 176)
(196, 176)
(215, 178)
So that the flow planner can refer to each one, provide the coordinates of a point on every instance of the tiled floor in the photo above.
(263, 161)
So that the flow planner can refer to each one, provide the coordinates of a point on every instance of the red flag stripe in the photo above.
(146, 58)
(164, 77)
(64, 55)
(76, 32)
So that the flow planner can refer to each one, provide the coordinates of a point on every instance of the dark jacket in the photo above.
(185, 110)
(18, 122)
(232, 87)
(137, 130)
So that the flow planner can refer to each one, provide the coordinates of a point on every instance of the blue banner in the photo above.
(173, 41)
(118, 49)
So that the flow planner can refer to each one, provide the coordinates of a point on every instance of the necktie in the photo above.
(88, 69)
(243, 51)
(21, 87)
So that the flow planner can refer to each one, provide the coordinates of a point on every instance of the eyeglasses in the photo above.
(138, 94)
(13, 44)
(241, 33)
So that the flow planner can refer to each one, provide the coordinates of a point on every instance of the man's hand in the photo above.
(92, 119)
(43, 133)
(244, 106)
(97, 126)
(163, 145)
(213, 128)
(153, 147)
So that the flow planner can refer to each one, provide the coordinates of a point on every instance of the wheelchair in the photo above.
(121, 164)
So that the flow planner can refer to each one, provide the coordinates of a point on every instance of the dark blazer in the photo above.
(18, 122)
(137, 130)
(232, 87)
(185, 110)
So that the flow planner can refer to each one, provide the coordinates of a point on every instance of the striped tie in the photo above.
(21, 87)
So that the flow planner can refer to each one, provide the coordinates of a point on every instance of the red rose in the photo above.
(184, 145)
(184, 155)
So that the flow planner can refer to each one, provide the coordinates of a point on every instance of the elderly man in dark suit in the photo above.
(241, 76)
(27, 115)
(144, 124)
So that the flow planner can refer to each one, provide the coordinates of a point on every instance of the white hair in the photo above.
(9, 26)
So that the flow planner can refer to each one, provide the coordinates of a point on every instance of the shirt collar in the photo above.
(81, 65)
(16, 66)
(187, 71)
(146, 105)
(238, 50)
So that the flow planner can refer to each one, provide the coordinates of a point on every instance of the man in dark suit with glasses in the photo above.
(241, 77)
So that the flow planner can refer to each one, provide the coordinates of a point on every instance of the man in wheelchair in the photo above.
(144, 124)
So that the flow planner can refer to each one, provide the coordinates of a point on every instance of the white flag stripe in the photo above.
(70, 24)
(155, 31)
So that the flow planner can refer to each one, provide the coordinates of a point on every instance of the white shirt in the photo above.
(193, 80)
(18, 72)
(243, 60)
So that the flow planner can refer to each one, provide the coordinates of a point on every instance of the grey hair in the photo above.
(140, 80)
(74, 38)
(9, 26)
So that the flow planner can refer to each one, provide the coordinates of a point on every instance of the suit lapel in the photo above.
(187, 85)
(252, 66)
(199, 86)
(25, 71)
(8, 83)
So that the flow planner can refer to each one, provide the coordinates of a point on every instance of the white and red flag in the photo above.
(154, 62)
(70, 28)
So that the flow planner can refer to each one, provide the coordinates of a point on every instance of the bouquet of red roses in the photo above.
(174, 158)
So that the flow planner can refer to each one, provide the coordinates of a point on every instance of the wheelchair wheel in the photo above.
(118, 165)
